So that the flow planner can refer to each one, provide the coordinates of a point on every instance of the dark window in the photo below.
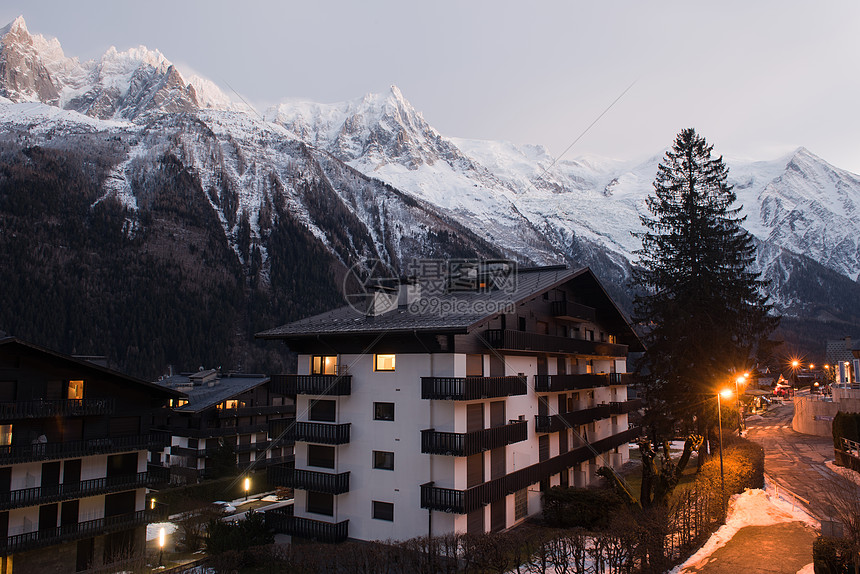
(383, 460)
(521, 504)
(475, 521)
(562, 441)
(497, 515)
(321, 503)
(474, 470)
(192, 443)
(383, 510)
(322, 456)
(122, 464)
(521, 323)
(383, 411)
(543, 447)
(86, 552)
(474, 365)
(322, 411)
(474, 417)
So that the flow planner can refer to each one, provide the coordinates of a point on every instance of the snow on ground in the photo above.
(752, 508)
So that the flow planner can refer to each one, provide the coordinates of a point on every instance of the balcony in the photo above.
(88, 529)
(321, 433)
(573, 311)
(522, 341)
(278, 427)
(472, 388)
(286, 523)
(55, 493)
(329, 385)
(219, 431)
(10, 454)
(467, 444)
(465, 501)
(624, 407)
(255, 411)
(55, 408)
(308, 479)
(573, 382)
(555, 423)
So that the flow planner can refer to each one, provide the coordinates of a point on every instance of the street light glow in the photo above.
(161, 538)
(726, 393)
(795, 363)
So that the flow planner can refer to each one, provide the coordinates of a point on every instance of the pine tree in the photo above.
(705, 312)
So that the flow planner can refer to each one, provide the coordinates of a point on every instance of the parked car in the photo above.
(224, 507)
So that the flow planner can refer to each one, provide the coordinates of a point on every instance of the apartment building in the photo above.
(73, 461)
(430, 411)
(231, 411)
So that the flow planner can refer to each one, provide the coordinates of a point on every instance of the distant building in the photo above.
(73, 472)
(217, 411)
(846, 365)
(449, 411)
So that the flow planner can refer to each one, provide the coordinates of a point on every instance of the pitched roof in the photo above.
(461, 311)
(84, 365)
(202, 396)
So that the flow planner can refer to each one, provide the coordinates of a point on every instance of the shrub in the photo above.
(566, 507)
(831, 555)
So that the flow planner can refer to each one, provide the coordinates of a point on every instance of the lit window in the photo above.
(5, 435)
(181, 402)
(384, 363)
(76, 390)
(323, 365)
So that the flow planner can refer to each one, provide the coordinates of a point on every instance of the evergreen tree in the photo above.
(704, 311)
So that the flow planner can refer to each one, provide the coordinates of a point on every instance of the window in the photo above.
(383, 510)
(383, 460)
(383, 362)
(612, 339)
(322, 456)
(323, 365)
(76, 390)
(521, 504)
(321, 503)
(231, 404)
(192, 443)
(521, 323)
(322, 411)
(5, 435)
(383, 411)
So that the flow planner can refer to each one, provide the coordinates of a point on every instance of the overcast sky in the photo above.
(757, 79)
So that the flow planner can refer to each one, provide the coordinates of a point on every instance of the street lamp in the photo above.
(161, 546)
(739, 381)
(726, 394)
(247, 486)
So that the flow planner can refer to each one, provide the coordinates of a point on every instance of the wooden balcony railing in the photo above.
(624, 407)
(524, 341)
(573, 311)
(467, 444)
(555, 423)
(572, 382)
(55, 408)
(10, 454)
(322, 433)
(465, 501)
(256, 411)
(472, 388)
(47, 494)
(328, 483)
(88, 529)
(286, 523)
(332, 385)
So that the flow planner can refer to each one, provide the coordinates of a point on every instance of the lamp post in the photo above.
(247, 486)
(161, 546)
(739, 381)
(725, 393)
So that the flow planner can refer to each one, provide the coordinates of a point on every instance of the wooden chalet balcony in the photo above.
(284, 522)
(260, 410)
(47, 494)
(219, 431)
(465, 501)
(573, 311)
(472, 388)
(88, 529)
(321, 433)
(624, 407)
(55, 408)
(555, 423)
(467, 444)
(330, 385)
(10, 454)
(572, 382)
(506, 339)
(278, 427)
(326, 482)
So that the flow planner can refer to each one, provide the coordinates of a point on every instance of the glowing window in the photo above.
(323, 365)
(76, 390)
(5, 435)
(383, 363)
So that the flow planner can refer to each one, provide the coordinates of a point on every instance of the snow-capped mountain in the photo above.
(372, 179)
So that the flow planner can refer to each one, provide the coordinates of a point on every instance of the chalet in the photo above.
(427, 411)
(73, 471)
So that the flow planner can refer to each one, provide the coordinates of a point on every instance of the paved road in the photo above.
(794, 460)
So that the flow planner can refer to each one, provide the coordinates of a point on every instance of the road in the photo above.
(796, 461)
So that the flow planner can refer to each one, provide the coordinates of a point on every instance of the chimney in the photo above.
(409, 291)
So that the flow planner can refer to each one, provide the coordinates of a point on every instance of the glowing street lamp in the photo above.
(161, 546)
(247, 486)
(726, 394)
(738, 382)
